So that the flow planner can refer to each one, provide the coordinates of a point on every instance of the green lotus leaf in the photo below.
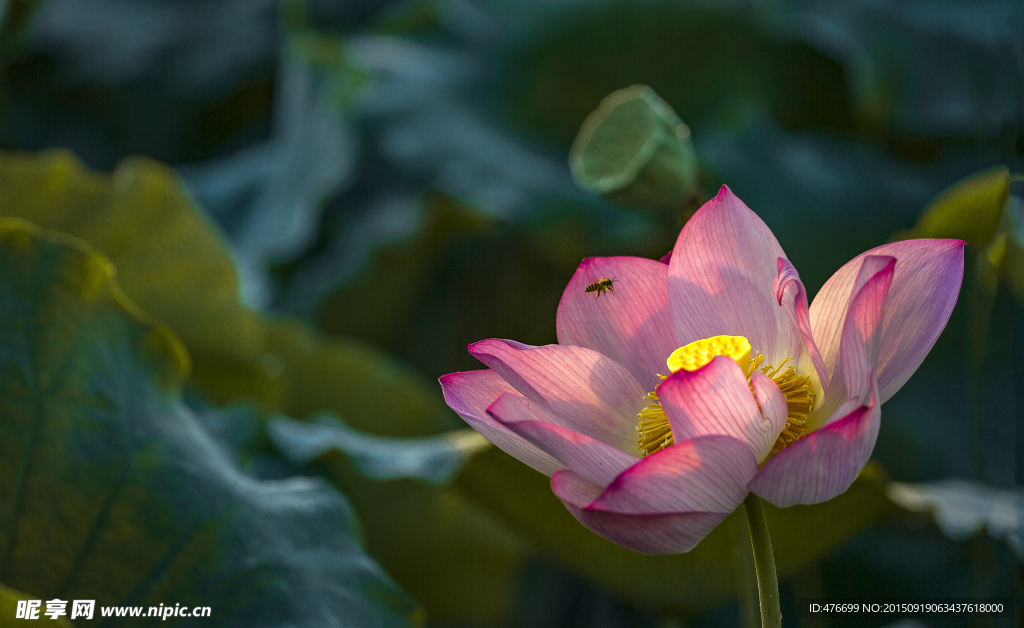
(172, 262)
(141, 219)
(968, 210)
(482, 556)
(9, 599)
(1014, 254)
(444, 548)
(450, 554)
(111, 490)
(433, 459)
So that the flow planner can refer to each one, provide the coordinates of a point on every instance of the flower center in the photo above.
(653, 428)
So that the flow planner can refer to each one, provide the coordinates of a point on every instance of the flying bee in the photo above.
(600, 286)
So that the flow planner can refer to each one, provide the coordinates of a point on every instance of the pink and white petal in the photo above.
(578, 387)
(925, 286)
(669, 533)
(469, 393)
(862, 332)
(861, 337)
(593, 460)
(720, 279)
(792, 296)
(717, 400)
(824, 463)
(633, 326)
(704, 474)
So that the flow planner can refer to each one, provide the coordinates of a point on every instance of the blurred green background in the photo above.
(241, 239)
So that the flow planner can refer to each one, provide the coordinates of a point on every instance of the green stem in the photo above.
(764, 562)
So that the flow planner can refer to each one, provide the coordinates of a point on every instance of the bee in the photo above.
(600, 286)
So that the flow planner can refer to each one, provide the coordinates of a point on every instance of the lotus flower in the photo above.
(706, 376)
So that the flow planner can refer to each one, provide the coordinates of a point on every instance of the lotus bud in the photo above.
(633, 149)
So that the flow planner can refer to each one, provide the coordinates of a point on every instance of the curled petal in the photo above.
(790, 289)
(593, 460)
(925, 284)
(632, 326)
(717, 400)
(774, 411)
(671, 533)
(470, 393)
(720, 279)
(824, 463)
(578, 387)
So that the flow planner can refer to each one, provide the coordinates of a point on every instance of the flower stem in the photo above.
(764, 562)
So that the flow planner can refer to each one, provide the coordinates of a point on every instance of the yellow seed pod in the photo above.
(699, 352)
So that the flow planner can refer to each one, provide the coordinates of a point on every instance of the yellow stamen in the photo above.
(653, 428)
(799, 403)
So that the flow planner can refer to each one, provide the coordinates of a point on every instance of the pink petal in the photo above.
(592, 459)
(862, 332)
(721, 280)
(790, 289)
(666, 258)
(824, 463)
(671, 533)
(706, 474)
(925, 285)
(578, 387)
(861, 336)
(717, 399)
(470, 393)
(633, 326)
(575, 490)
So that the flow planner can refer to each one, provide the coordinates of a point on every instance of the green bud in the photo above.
(633, 149)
